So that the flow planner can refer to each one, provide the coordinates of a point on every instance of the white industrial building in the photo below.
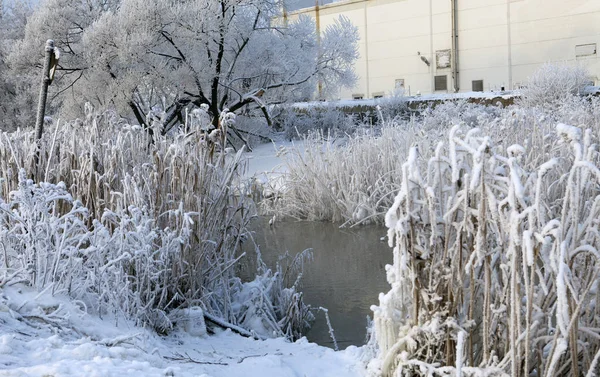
(439, 46)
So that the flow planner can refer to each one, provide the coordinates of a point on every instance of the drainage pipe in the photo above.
(318, 29)
(455, 61)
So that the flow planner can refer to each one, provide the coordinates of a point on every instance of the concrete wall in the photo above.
(500, 41)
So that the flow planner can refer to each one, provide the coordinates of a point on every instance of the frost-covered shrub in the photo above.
(353, 179)
(41, 232)
(496, 262)
(443, 116)
(393, 106)
(325, 119)
(553, 83)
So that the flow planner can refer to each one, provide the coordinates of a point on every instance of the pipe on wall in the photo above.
(455, 72)
(318, 30)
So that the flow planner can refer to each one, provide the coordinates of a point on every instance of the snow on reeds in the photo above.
(496, 262)
(133, 226)
(353, 179)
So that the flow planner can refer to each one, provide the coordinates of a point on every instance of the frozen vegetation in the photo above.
(492, 215)
(495, 259)
(120, 235)
(353, 178)
(141, 232)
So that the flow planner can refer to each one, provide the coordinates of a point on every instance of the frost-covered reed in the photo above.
(348, 182)
(131, 225)
(496, 262)
(353, 179)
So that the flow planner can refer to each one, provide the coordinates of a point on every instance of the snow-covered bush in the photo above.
(132, 226)
(325, 119)
(393, 106)
(496, 262)
(438, 119)
(40, 237)
(553, 83)
(353, 179)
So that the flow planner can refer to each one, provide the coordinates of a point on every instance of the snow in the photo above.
(266, 164)
(70, 342)
(570, 133)
(267, 159)
(460, 343)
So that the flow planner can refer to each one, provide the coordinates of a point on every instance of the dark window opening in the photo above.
(477, 85)
(441, 83)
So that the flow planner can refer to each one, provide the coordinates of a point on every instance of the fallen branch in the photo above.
(188, 359)
(241, 359)
(118, 340)
(265, 138)
(46, 320)
(236, 329)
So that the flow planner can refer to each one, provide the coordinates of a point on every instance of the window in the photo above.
(399, 84)
(441, 82)
(585, 50)
(477, 85)
(358, 96)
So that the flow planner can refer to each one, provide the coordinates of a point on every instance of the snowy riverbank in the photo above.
(51, 336)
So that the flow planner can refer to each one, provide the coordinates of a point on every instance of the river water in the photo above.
(346, 275)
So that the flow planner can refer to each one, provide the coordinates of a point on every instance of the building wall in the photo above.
(501, 42)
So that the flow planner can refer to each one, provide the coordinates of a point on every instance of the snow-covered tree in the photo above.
(64, 21)
(164, 56)
(17, 101)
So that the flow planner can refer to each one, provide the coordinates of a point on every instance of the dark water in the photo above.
(345, 276)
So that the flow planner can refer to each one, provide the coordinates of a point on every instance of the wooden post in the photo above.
(41, 110)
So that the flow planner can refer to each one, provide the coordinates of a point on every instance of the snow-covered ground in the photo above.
(41, 335)
(267, 160)
(266, 164)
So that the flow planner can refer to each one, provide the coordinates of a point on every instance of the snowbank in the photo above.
(51, 336)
